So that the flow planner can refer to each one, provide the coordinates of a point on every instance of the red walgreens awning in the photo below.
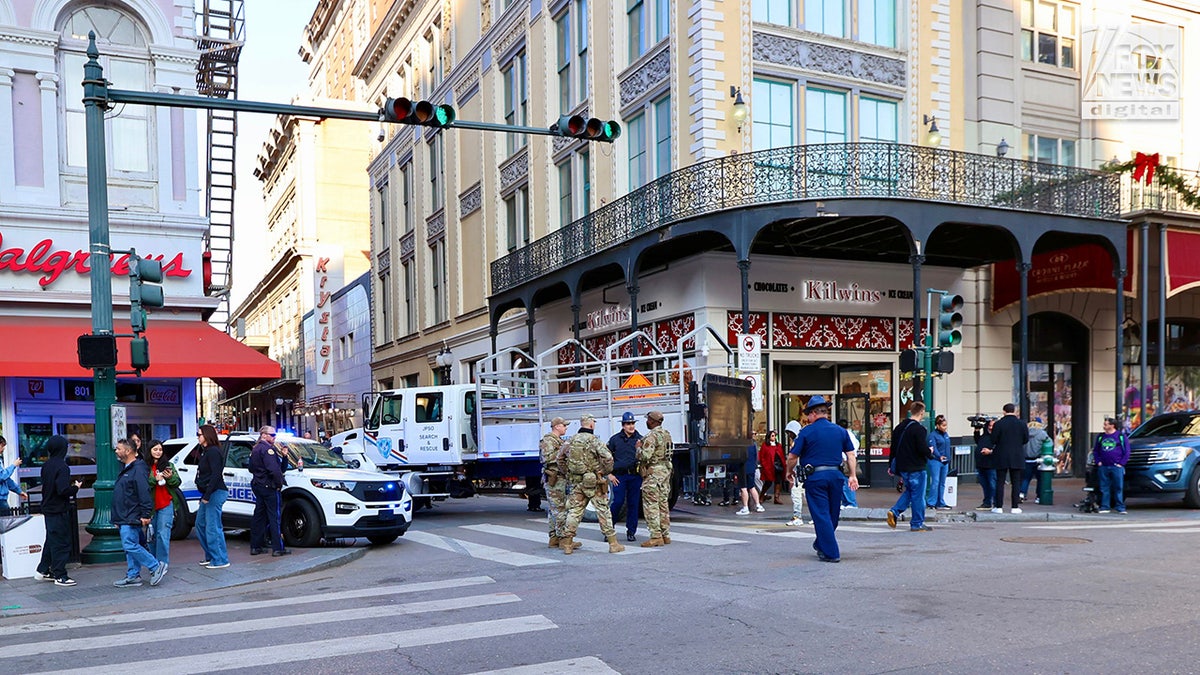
(45, 347)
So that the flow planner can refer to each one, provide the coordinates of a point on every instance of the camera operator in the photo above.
(982, 426)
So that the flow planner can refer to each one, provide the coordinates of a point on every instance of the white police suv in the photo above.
(323, 498)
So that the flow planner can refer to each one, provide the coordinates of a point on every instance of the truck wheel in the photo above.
(1192, 498)
(183, 524)
(382, 539)
(301, 524)
(676, 488)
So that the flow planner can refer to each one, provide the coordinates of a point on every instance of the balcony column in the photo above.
(529, 328)
(744, 268)
(575, 309)
(1023, 339)
(1143, 287)
(1161, 349)
(916, 260)
(1119, 400)
(633, 306)
(492, 334)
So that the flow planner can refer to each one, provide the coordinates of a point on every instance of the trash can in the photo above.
(21, 539)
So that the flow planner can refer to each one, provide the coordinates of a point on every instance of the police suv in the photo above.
(323, 498)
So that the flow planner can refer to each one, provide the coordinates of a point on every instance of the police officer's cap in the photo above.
(654, 415)
(628, 418)
(816, 402)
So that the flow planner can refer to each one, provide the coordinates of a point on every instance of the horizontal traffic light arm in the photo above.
(240, 105)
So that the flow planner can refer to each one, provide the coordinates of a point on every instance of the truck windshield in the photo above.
(1172, 426)
(387, 410)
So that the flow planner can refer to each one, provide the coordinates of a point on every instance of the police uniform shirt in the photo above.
(624, 451)
(822, 444)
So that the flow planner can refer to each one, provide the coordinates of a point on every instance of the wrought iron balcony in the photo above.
(807, 172)
(1137, 196)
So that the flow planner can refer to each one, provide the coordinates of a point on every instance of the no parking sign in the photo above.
(749, 363)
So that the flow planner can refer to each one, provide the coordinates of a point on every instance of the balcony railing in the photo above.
(833, 171)
(1137, 196)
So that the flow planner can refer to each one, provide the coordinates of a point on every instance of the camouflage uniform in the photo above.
(554, 479)
(654, 463)
(599, 462)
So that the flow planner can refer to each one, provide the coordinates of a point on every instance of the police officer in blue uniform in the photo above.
(819, 450)
(625, 480)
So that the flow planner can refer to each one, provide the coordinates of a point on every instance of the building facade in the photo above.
(155, 208)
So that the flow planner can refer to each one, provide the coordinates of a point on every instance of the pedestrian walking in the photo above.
(1033, 451)
(589, 469)
(771, 462)
(554, 479)
(626, 482)
(749, 491)
(938, 466)
(849, 497)
(910, 459)
(7, 481)
(1009, 436)
(984, 467)
(654, 465)
(266, 481)
(163, 481)
(796, 483)
(817, 455)
(132, 508)
(213, 494)
(1111, 454)
(57, 492)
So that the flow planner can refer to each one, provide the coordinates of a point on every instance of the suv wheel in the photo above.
(301, 524)
(1192, 498)
(183, 524)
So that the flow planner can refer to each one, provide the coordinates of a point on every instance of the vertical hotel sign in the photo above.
(327, 279)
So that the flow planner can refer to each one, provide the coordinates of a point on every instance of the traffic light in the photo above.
(943, 362)
(139, 353)
(911, 361)
(589, 129)
(950, 320)
(145, 277)
(421, 113)
(97, 351)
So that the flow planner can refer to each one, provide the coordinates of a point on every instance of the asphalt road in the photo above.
(473, 588)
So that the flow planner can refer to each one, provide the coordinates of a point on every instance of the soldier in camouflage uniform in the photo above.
(554, 479)
(654, 463)
(589, 466)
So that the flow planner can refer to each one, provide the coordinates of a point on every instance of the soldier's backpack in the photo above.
(577, 460)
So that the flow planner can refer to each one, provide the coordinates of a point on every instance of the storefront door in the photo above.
(853, 409)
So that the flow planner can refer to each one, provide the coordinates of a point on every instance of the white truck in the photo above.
(452, 440)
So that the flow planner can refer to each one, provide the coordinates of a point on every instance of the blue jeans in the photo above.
(849, 497)
(164, 521)
(987, 482)
(1112, 487)
(935, 492)
(209, 529)
(913, 497)
(823, 492)
(136, 557)
(627, 491)
(1027, 477)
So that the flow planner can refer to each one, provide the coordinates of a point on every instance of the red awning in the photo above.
(1183, 260)
(45, 347)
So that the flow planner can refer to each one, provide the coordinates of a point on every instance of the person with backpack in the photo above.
(589, 471)
(1033, 451)
(1111, 454)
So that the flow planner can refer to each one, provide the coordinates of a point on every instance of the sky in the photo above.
(270, 70)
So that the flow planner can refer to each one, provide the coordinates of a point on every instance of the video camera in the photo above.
(980, 421)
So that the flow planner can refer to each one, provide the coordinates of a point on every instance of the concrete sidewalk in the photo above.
(94, 583)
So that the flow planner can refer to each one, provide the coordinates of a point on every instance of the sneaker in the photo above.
(891, 517)
(1122, 513)
(923, 528)
(743, 511)
(128, 582)
(64, 581)
(1021, 496)
(984, 507)
(217, 567)
(997, 510)
(1105, 511)
(203, 563)
(45, 577)
(794, 522)
(159, 573)
(759, 509)
(1015, 511)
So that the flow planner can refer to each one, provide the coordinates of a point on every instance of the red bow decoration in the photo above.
(1144, 166)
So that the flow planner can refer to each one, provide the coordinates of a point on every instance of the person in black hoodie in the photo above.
(57, 491)
(213, 493)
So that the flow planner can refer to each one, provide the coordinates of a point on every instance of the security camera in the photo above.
(380, 136)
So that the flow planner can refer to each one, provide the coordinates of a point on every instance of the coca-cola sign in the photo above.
(51, 262)
(162, 395)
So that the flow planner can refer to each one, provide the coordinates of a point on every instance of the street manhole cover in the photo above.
(1046, 541)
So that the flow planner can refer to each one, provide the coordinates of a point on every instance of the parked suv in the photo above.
(1164, 459)
(323, 498)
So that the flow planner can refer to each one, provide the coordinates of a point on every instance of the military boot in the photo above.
(666, 539)
(652, 542)
(613, 545)
(568, 545)
(553, 541)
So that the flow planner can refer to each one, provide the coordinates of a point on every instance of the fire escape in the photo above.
(220, 29)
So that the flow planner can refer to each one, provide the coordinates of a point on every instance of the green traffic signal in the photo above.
(420, 113)
(588, 129)
(950, 320)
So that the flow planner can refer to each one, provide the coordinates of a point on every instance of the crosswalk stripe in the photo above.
(156, 615)
(587, 665)
(1113, 526)
(1170, 530)
(703, 540)
(481, 551)
(298, 619)
(529, 535)
(745, 530)
(359, 643)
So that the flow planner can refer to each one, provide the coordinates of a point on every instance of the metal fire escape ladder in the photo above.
(220, 28)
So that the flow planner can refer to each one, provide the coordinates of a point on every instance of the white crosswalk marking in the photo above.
(743, 530)
(481, 551)
(540, 537)
(1092, 525)
(587, 665)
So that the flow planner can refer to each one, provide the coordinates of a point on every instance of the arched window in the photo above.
(125, 56)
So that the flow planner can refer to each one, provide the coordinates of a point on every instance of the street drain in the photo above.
(1046, 541)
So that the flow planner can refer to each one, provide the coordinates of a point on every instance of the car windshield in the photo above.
(1169, 426)
(314, 454)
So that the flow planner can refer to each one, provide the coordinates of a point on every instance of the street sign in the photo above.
(756, 393)
(119, 425)
(749, 351)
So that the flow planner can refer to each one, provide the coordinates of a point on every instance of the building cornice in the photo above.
(390, 27)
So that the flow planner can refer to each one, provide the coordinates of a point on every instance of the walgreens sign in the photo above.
(48, 261)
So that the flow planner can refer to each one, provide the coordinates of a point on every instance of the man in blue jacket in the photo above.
(1111, 454)
(266, 480)
(132, 507)
(7, 482)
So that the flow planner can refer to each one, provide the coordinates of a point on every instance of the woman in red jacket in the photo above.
(771, 461)
(163, 482)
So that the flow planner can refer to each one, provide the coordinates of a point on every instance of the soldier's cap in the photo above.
(557, 421)
(587, 417)
(654, 415)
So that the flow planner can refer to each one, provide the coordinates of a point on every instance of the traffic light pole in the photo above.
(927, 362)
(106, 542)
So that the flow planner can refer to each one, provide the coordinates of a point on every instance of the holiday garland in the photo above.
(1145, 169)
